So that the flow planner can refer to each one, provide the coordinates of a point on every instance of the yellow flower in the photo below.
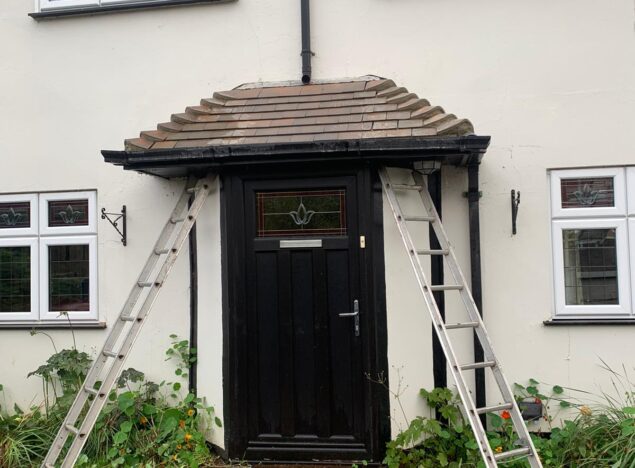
(143, 420)
(586, 411)
(174, 457)
(182, 424)
(190, 412)
(179, 447)
(188, 437)
(498, 449)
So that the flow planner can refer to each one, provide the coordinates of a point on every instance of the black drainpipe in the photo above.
(306, 41)
(473, 196)
(192, 381)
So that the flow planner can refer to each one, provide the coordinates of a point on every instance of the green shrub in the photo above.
(142, 424)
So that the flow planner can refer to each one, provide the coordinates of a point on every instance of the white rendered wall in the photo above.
(551, 81)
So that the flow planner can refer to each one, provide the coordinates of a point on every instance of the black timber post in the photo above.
(473, 196)
(439, 364)
(193, 251)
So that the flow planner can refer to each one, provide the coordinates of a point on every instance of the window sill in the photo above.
(96, 10)
(89, 325)
(590, 321)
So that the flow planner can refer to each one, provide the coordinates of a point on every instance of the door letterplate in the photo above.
(355, 315)
(300, 244)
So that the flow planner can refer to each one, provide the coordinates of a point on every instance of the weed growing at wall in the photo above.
(143, 424)
(599, 434)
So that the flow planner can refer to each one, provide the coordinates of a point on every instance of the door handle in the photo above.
(354, 314)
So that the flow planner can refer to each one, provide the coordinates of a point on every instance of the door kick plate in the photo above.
(300, 243)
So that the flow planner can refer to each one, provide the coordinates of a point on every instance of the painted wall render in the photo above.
(553, 83)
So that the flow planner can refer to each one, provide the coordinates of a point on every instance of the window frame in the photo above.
(19, 232)
(47, 5)
(45, 312)
(619, 190)
(621, 310)
(39, 236)
(33, 314)
(46, 230)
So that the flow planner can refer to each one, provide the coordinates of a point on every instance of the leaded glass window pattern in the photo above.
(68, 213)
(301, 213)
(590, 266)
(69, 278)
(15, 215)
(15, 279)
(587, 192)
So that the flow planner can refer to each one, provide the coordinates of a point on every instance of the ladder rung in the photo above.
(446, 287)
(478, 365)
(433, 252)
(161, 251)
(145, 284)
(418, 188)
(127, 318)
(177, 220)
(493, 409)
(454, 326)
(92, 391)
(512, 453)
(430, 219)
(109, 354)
(71, 428)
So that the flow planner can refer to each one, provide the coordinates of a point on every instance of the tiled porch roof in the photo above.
(367, 107)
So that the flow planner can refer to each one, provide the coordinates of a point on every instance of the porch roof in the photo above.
(367, 107)
(358, 115)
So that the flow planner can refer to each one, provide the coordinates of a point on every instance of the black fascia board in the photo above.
(117, 8)
(178, 162)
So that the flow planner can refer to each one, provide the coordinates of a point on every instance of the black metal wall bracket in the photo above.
(515, 203)
(114, 219)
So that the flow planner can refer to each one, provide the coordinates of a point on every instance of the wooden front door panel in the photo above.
(301, 369)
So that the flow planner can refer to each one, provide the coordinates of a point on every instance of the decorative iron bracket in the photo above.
(515, 203)
(114, 221)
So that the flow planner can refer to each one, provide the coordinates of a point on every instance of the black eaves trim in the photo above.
(587, 322)
(96, 10)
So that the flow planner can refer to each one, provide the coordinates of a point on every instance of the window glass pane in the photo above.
(68, 213)
(68, 278)
(590, 266)
(15, 215)
(304, 213)
(15, 279)
(587, 192)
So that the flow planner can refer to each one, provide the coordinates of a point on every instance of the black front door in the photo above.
(306, 322)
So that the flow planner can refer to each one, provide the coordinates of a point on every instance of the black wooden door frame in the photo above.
(370, 214)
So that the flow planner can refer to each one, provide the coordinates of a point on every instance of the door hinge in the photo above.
(362, 242)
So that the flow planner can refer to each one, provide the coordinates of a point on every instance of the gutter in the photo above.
(395, 151)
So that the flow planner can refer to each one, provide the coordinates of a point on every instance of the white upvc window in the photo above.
(48, 5)
(48, 257)
(593, 236)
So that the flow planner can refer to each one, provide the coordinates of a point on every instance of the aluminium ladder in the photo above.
(491, 459)
(93, 395)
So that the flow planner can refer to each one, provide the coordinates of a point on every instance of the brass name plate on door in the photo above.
(300, 243)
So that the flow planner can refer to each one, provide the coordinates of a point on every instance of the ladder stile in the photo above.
(109, 361)
(475, 322)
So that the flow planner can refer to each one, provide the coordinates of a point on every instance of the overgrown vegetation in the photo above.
(600, 435)
(143, 424)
